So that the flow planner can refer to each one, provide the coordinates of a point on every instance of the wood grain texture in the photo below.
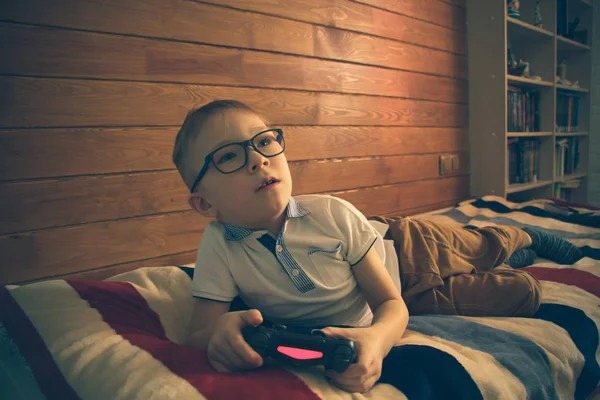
(170, 19)
(390, 199)
(345, 45)
(57, 152)
(42, 153)
(184, 20)
(31, 102)
(58, 53)
(358, 17)
(51, 203)
(433, 11)
(60, 251)
(34, 255)
(314, 41)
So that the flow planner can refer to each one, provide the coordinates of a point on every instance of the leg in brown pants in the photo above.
(448, 270)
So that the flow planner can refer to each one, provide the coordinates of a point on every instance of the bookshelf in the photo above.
(528, 135)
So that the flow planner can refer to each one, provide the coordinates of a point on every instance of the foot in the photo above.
(521, 258)
(553, 248)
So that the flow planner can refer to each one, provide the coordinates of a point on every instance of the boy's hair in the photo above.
(191, 128)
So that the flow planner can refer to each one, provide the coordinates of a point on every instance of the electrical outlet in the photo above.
(449, 164)
(445, 164)
(455, 163)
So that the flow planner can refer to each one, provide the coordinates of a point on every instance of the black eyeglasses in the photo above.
(233, 156)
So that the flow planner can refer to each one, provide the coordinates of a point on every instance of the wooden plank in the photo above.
(426, 208)
(327, 176)
(358, 17)
(60, 53)
(26, 206)
(348, 110)
(197, 22)
(526, 82)
(188, 21)
(77, 248)
(41, 153)
(350, 46)
(44, 204)
(457, 3)
(44, 153)
(66, 250)
(384, 200)
(432, 11)
(307, 40)
(32, 102)
(184, 258)
(521, 187)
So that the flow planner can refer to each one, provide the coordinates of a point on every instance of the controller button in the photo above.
(343, 351)
(318, 332)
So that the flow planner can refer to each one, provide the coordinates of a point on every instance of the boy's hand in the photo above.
(361, 376)
(227, 349)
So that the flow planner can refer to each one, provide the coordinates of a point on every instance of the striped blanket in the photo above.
(120, 338)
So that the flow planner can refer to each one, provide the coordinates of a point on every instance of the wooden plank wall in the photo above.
(370, 93)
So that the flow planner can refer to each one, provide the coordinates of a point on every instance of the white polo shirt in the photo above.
(302, 276)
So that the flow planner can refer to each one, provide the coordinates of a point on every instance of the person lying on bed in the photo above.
(309, 260)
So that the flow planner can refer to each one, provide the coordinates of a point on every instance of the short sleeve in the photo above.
(358, 233)
(212, 277)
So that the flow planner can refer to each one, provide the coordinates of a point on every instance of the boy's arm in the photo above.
(373, 342)
(204, 317)
(228, 351)
(390, 315)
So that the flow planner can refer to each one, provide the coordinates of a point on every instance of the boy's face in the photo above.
(238, 198)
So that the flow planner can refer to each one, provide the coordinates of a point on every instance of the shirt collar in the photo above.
(294, 210)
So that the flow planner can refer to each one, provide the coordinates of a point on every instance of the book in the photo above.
(522, 109)
(523, 160)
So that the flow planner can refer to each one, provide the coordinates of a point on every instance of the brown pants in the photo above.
(448, 270)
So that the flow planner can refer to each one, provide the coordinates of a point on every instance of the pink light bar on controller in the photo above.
(299, 354)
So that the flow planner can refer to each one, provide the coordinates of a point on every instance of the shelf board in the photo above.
(573, 89)
(565, 134)
(528, 28)
(570, 177)
(528, 134)
(565, 44)
(522, 81)
(520, 187)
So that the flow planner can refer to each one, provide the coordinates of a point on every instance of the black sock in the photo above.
(521, 258)
(553, 248)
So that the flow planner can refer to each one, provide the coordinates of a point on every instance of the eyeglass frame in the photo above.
(245, 144)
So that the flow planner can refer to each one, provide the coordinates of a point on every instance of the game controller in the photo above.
(300, 349)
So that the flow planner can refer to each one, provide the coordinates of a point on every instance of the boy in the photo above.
(303, 261)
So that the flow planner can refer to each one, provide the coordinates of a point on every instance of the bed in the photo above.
(119, 338)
